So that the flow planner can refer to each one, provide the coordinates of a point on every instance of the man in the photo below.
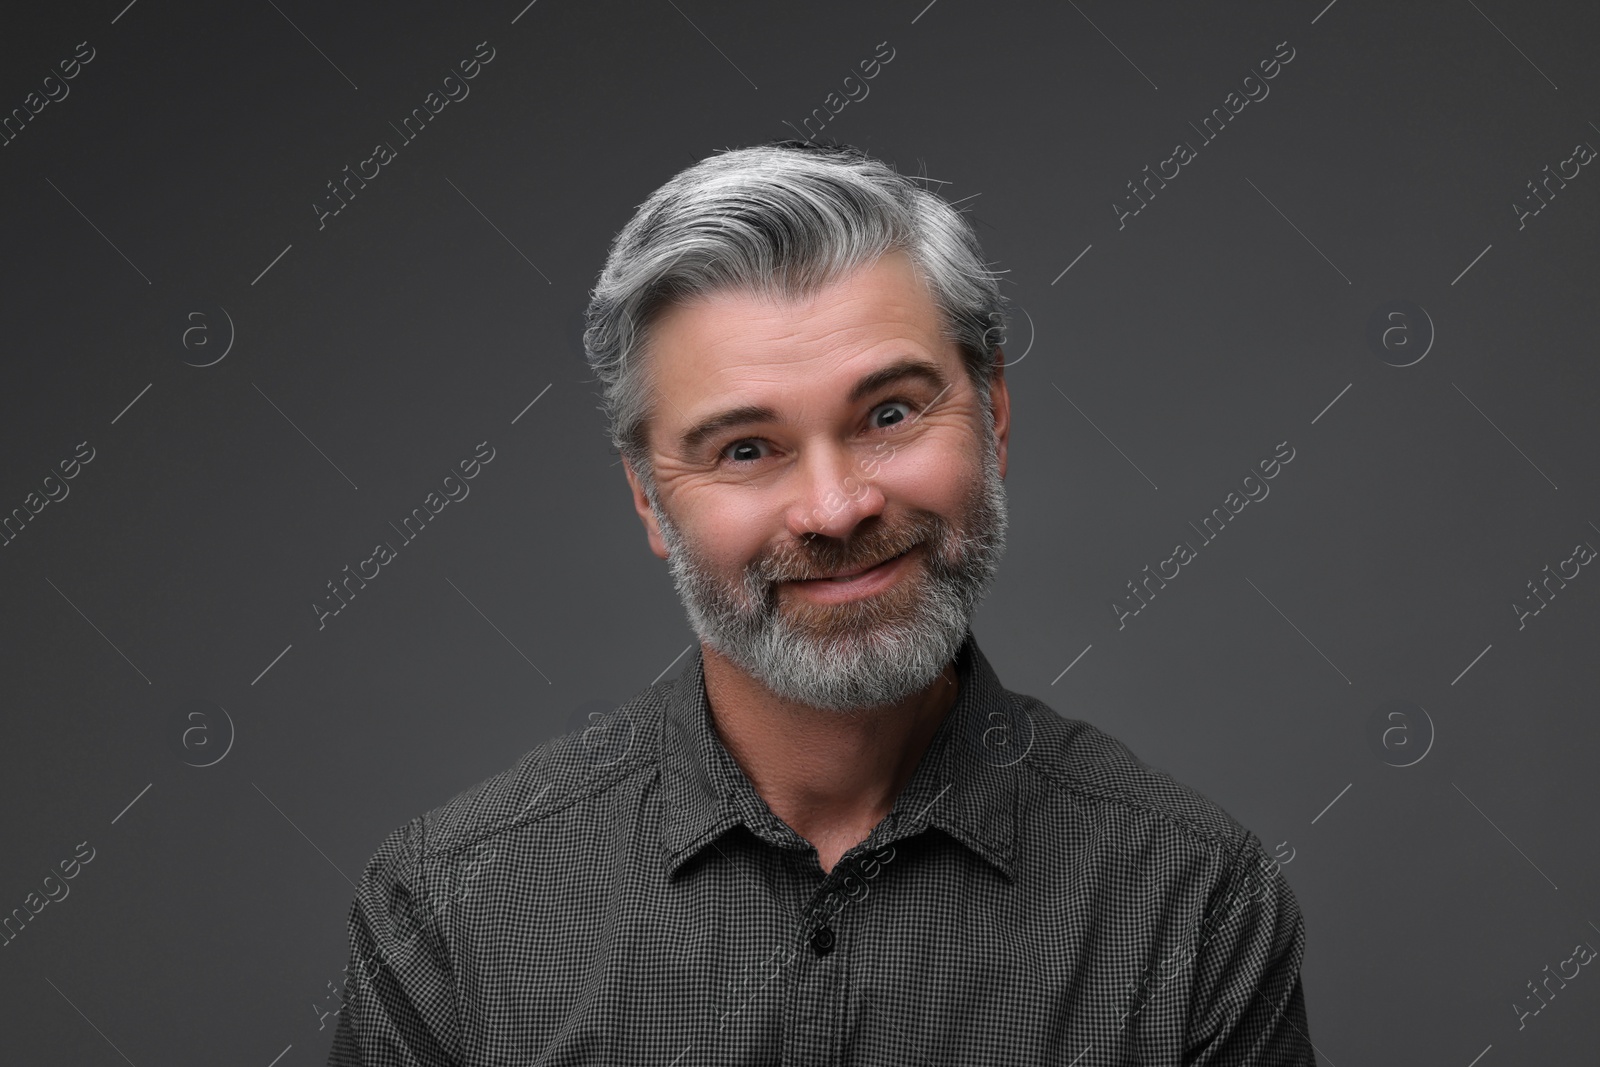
(835, 837)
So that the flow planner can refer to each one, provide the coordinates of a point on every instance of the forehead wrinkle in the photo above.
(791, 315)
(838, 345)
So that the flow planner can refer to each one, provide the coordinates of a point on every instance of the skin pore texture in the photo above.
(825, 694)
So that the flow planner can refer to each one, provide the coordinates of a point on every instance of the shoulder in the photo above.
(1083, 765)
(1144, 817)
(573, 770)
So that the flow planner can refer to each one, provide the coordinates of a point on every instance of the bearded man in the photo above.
(834, 838)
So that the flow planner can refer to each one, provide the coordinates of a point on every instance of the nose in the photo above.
(835, 493)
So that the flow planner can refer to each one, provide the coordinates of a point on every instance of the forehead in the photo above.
(722, 345)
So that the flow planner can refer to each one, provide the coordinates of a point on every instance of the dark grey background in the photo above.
(172, 588)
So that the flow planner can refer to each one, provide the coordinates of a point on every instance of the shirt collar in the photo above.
(965, 783)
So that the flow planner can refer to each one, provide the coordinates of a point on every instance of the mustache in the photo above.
(805, 561)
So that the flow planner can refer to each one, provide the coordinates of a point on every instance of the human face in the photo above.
(785, 451)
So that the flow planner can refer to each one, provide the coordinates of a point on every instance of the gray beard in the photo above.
(862, 654)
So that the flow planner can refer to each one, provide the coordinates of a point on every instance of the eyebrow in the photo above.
(694, 438)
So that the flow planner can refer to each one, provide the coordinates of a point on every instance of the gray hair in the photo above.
(780, 219)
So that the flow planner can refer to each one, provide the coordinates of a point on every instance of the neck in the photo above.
(830, 776)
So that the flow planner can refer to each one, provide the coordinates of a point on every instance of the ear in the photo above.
(1000, 401)
(647, 515)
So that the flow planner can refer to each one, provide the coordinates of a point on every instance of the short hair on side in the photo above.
(781, 219)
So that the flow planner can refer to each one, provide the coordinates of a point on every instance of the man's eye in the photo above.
(748, 449)
(894, 422)
(744, 445)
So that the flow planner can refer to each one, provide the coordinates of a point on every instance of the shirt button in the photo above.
(822, 941)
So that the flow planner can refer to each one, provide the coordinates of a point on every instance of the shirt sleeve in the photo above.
(400, 1005)
(1247, 1008)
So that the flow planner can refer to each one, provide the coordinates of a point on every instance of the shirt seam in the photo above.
(433, 932)
(1127, 800)
(1236, 878)
(528, 818)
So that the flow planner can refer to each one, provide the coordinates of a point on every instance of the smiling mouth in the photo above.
(851, 576)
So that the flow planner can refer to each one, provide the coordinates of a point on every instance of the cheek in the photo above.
(936, 479)
(729, 528)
